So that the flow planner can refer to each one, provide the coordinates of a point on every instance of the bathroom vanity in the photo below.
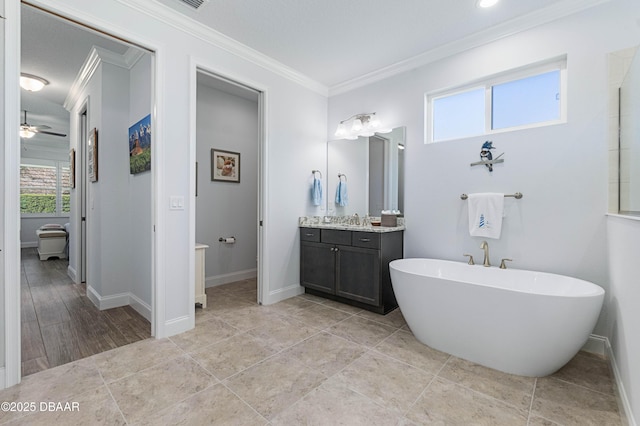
(350, 264)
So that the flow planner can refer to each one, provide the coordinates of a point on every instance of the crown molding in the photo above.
(207, 34)
(97, 56)
(522, 23)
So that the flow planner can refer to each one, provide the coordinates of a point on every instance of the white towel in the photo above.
(485, 214)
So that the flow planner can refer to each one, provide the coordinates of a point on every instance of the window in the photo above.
(44, 188)
(520, 99)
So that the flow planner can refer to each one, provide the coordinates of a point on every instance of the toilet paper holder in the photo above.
(227, 240)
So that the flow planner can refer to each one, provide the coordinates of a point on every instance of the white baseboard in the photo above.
(596, 345)
(140, 306)
(118, 300)
(72, 273)
(276, 296)
(230, 277)
(28, 244)
(621, 394)
(177, 326)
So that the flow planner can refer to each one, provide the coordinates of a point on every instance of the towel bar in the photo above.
(517, 196)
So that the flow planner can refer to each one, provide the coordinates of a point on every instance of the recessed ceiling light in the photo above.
(486, 3)
(32, 83)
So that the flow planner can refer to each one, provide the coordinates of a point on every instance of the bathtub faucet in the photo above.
(485, 246)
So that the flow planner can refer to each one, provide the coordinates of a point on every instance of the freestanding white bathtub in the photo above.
(520, 322)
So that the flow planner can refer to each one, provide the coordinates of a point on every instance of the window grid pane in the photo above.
(529, 100)
(459, 115)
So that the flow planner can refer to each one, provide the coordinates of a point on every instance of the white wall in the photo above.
(624, 316)
(227, 209)
(139, 209)
(3, 255)
(559, 226)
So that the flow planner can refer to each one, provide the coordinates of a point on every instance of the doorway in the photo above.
(227, 152)
(103, 297)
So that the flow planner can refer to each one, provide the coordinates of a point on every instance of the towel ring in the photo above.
(342, 175)
(317, 171)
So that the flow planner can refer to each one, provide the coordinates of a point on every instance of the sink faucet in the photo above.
(356, 219)
(485, 246)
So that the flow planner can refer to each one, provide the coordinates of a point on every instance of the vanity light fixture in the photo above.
(486, 3)
(364, 124)
(32, 83)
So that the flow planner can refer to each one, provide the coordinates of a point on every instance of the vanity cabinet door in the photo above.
(317, 266)
(358, 274)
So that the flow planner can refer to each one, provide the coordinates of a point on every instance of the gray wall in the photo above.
(139, 211)
(223, 209)
(119, 218)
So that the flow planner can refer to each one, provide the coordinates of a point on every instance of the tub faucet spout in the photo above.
(485, 246)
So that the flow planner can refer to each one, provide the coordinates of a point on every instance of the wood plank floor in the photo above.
(59, 322)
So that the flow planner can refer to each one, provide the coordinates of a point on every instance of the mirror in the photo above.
(371, 168)
(629, 142)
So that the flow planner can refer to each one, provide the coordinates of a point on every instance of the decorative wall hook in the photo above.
(486, 157)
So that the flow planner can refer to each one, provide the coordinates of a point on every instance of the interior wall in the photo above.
(228, 122)
(559, 226)
(139, 210)
(3, 254)
(624, 323)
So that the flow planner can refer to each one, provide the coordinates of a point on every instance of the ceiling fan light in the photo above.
(32, 83)
(26, 133)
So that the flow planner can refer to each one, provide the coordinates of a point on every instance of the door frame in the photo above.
(209, 67)
(10, 374)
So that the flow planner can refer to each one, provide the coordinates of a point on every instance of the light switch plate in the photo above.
(176, 202)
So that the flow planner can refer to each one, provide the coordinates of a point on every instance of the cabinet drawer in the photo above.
(310, 234)
(366, 240)
(335, 236)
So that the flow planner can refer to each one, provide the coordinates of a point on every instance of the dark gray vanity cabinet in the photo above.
(350, 266)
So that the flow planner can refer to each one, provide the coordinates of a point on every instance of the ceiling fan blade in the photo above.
(46, 132)
(41, 127)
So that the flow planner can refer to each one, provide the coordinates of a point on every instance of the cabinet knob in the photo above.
(365, 240)
(309, 234)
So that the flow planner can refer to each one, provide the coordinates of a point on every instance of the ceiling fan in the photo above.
(28, 131)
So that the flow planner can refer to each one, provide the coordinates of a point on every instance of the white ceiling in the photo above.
(330, 41)
(334, 41)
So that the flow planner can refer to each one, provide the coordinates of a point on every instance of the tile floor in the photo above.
(305, 360)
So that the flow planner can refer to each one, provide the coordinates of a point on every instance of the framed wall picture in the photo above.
(72, 168)
(92, 155)
(140, 146)
(225, 166)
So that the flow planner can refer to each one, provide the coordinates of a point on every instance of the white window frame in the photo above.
(555, 64)
(60, 185)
